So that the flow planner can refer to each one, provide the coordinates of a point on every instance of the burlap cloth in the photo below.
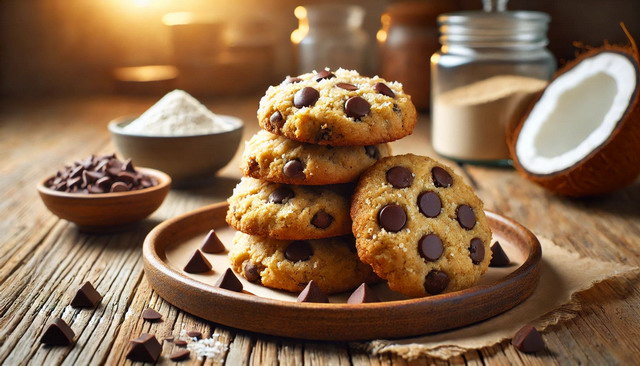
(562, 274)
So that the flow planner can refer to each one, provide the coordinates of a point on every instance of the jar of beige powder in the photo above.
(490, 67)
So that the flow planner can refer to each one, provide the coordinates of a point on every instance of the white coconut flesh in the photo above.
(576, 114)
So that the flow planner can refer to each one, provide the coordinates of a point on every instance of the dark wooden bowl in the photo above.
(334, 321)
(103, 212)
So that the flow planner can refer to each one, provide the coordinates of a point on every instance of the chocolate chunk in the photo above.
(151, 315)
(384, 90)
(324, 74)
(104, 183)
(298, 251)
(251, 272)
(528, 340)
(321, 220)
(291, 80)
(399, 177)
(180, 343)
(347, 86)
(476, 251)
(128, 166)
(114, 167)
(145, 348)
(74, 182)
(435, 282)
(180, 355)
(294, 169)
(212, 243)
(312, 293)
(198, 263)
(498, 257)
(194, 334)
(392, 218)
(430, 247)
(276, 119)
(466, 217)
(362, 294)
(441, 178)
(119, 187)
(429, 204)
(229, 281)
(86, 296)
(58, 333)
(357, 107)
(372, 151)
(281, 195)
(76, 172)
(89, 177)
(126, 177)
(306, 97)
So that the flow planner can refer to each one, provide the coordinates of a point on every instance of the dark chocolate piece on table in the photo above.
(86, 296)
(528, 340)
(151, 315)
(58, 333)
(145, 348)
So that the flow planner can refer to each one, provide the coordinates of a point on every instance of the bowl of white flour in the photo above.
(179, 136)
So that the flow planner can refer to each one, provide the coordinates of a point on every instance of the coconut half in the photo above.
(582, 135)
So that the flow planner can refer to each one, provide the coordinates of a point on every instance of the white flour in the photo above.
(178, 114)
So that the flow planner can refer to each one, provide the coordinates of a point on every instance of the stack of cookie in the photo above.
(292, 207)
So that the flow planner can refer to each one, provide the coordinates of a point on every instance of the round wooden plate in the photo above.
(168, 247)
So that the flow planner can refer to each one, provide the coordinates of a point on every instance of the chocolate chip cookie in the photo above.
(289, 265)
(337, 108)
(289, 212)
(420, 226)
(277, 159)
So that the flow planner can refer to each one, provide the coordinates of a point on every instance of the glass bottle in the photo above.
(490, 67)
(330, 35)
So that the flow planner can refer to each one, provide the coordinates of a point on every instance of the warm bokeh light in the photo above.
(381, 36)
(300, 12)
(141, 3)
(303, 25)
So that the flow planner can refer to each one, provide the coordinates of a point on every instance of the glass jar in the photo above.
(489, 69)
(330, 35)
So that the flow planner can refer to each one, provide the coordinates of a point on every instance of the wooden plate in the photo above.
(168, 247)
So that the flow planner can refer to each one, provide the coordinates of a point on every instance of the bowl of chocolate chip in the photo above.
(102, 193)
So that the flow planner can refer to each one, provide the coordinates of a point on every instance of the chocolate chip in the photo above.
(396, 109)
(281, 195)
(441, 178)
(179, 355)
(291, 80)
(194, 334)
(498, 257)
(466, 217)
(251, 272)
(384, 90)
(276, 119)
(528, 340)
(74, 182)
(86, 296)
(104, 182)
(435, 282)
(363, 294)
(151, 315)
(128, 166)
(180, 343)
(324, 134)
(357, 107)
(198, 263)
(145, 348)
(476, 251)
(229, 281)
(126, 177)
(324, 74)
(119, 187)
(321, 220)
(95, 189)
(392, 218)
(76, 172)
(347, 86)
(306, 97)
(58, 333)
(312, 293)
(253, 167)
(298, 251)
(294, 169)
(372, 151)
(430, 247)
(399, 177)
(212, 243)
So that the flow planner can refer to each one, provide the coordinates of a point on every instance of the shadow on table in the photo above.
(624, 202)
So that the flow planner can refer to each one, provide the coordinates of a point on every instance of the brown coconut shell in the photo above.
(612, 165)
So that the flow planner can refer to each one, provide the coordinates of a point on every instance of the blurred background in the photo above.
(214, 47)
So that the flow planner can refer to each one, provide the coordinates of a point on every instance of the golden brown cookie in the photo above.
(420, 226)
(277, 159)
(337, 108)
(289, 212)
(289, 265)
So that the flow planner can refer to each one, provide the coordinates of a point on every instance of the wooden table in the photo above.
(43, 259)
